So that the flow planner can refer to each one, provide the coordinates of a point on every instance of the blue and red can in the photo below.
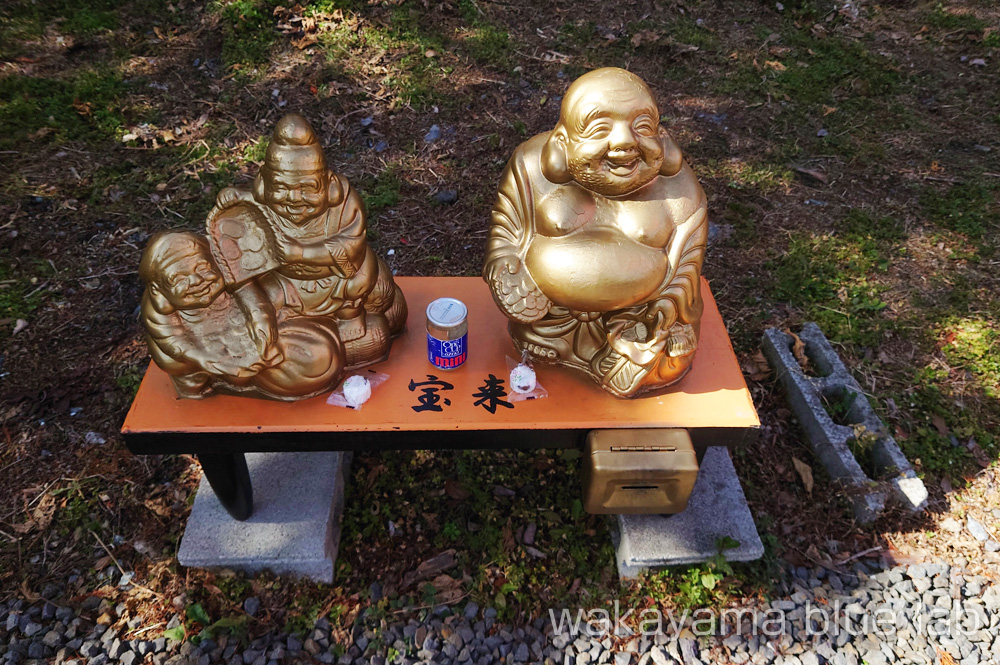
(447, 333)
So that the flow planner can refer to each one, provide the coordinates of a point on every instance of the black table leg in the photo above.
(229, 477)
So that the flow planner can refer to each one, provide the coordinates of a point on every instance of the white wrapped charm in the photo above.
(522, 379)
(357, 390)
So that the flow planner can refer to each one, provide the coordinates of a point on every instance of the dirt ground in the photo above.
(849, 152)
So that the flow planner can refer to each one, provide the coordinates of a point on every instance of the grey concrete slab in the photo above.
(830, 441)
(717, 508)
(295, 526)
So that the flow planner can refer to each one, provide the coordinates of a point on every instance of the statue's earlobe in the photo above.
(335, 192)
(555, 161)
(673, 159)
(258, 187)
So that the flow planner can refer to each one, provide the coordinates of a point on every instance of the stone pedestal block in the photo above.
(295, 526)
(717, 509)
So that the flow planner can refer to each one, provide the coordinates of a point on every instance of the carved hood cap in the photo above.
(294, 147)
(166, 248)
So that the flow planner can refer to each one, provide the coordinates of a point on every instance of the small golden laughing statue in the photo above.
(597, 240)
(283, 295)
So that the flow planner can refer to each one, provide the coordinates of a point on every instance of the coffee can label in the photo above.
(447, 353)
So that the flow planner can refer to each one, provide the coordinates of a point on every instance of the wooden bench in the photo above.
(712, 402)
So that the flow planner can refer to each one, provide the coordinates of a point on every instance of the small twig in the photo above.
(403, 610)
(115, 559)
(144, 630)
(870, 550)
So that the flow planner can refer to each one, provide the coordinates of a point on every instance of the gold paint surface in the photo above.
(282, 295)
(597, 240)
(638, 471)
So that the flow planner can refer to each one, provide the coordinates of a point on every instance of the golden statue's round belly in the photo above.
(595, 271)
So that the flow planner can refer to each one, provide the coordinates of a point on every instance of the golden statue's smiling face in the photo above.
(190, 282)
(295, 195)
(612, 136)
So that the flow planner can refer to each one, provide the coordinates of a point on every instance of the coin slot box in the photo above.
(638, 471)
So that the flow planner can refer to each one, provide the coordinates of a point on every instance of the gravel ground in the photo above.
(907, 614)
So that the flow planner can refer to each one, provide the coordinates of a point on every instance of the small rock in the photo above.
(977, 530)
(951, 524)
(251, 605)
(432, 135)
(94, 439)
(446, 196)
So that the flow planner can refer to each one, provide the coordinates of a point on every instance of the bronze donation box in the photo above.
(635, 471)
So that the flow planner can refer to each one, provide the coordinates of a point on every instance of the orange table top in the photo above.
(712, 395)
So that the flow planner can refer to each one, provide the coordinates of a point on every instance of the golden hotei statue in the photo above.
(597, 240)
(283, 295)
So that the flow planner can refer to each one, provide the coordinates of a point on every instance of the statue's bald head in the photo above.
(609, 138)
(605, 86)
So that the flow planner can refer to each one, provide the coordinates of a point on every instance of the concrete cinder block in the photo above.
(829, 441)
(295, 526)
(717, 509)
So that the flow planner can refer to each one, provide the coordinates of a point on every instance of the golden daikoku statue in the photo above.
(283, 295)
(597, 240)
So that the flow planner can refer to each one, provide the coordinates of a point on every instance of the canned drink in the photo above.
(447, 333)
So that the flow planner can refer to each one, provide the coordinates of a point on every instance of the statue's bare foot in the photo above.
(371, 347)
(352, 329)
(193, 386)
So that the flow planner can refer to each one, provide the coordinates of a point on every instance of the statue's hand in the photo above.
(661, 314)
(265, 339)
(514, 290)
(228, 196)
(288, 250)
(220, 368)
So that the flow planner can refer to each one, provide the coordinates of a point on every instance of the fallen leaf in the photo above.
(305, 41)
(645, 37)
(981, 456)
(816, 175)
(83, 108)
(799, 351)
(24, 528)
(940, 425)
(775, 65)
(827, 110)
(756, 367)
(432, 567)
(445, 582)
(944, 657)
(805, 473)
(508, 538)
(28, 594)
(449, 597)
(455, 490)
